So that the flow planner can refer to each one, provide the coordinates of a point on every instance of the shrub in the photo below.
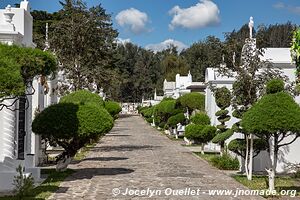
(82, 97)
(200, 119)
(200, 133)
(72, 126)
(113, 108)
(274, 86)
(165, 109)
(174, 120)
(192, 101)
(225, 162)
(23, 184)
(222, 137)
(147, 112)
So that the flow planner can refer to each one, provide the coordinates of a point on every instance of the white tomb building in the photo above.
(179, 87)
(280, 59)
(20, 147)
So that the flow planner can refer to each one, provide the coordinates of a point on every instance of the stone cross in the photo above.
(251, 26)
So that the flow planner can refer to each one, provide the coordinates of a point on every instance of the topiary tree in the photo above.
(113, 108)
(200, 119)
(274, 118)
(192, 101)
(165, 109)
(223, 100)
(71, 126)
(82, 97)
(200, 134)
(176, 119)
(79, 118)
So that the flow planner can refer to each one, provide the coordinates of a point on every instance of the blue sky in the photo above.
(147, 22)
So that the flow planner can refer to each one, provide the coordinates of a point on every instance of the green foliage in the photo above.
(147, 112)
(165, 109)
(23, 184)
(75, 124)
(174, 120)
(20, 65)
(82, 97)
(225, 162)
(86, 51)
(274, 86)
(200, 119)
(199, 133)
(222, 112)
(223, 97)
(113, 108)
(222, 137)
(223, 100)
(172, 65)
(274, 113)
(238, 146)
(192, 101)
(202, 55)
(12, 83)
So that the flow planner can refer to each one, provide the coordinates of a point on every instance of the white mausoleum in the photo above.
(21, 147)
(280, 59)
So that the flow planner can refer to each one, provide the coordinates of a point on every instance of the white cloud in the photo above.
(166, 44)
(203, 14)
(290, 8)
(133, 19)
(123, 41)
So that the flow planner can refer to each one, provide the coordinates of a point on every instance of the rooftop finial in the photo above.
(251, 26)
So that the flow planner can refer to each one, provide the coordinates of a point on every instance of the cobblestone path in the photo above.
(136, 156)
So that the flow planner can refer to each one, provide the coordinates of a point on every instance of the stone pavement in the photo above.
(136, 156)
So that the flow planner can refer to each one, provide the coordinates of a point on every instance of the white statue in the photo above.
(251, 26)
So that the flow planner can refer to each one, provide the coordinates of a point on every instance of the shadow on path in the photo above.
(88, 173)
(124, 148)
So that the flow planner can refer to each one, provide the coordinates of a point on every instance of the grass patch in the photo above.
(225, 162)
(50, 185)
(261, 183)
(207, 156)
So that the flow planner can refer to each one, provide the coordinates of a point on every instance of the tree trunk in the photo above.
(247, 156)
(273, 156)
(202, 148)
(250, 168)
(62, 164)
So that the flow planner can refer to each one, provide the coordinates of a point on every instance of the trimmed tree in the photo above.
(200, 119)
(75, 125)
(275, 119)
(223, 100)
(192, 101)
(176, 119)
(164, 110)
(200, 134)
(113, 108)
